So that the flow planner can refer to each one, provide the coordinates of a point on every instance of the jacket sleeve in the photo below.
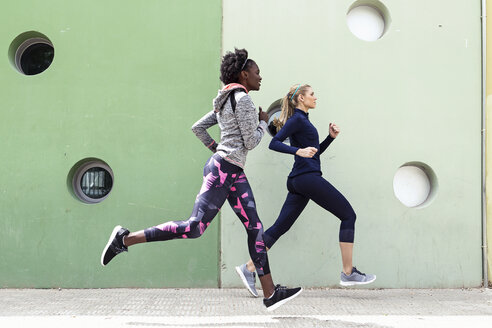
(325, 144)
(200, 130)
(286, 131)
(247, 118)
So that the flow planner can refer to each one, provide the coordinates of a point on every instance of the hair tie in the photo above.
(242, 67)
(295, 92)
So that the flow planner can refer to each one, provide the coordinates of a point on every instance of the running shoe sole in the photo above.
(245, 282)
(113, 234)
(282, 302)
(353, 283)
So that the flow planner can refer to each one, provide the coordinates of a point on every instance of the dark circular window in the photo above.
(96, 183)
(92, 181)
(34, 56)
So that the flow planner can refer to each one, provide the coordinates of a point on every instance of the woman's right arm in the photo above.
(286, 131)
(277, 144)
(200, 130)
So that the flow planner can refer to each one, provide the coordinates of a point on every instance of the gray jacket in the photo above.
(240, 131)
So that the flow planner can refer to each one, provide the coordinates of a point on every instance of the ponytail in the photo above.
(289, 103)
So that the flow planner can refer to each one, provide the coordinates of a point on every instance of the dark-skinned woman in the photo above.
(223, 177)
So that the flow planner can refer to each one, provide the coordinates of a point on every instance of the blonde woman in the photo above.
(305, 183)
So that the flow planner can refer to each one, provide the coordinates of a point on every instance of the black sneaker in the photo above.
(280, 296)
(115, 245)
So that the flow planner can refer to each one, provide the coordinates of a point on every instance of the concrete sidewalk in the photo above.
(235, 308)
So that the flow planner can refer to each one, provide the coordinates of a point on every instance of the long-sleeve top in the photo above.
(301, 133)
(240, 130)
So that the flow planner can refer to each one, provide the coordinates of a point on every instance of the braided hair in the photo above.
(233, 63)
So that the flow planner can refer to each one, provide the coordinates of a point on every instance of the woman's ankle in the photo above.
(250, 266)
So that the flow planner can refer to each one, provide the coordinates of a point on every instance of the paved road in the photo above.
(234, 308)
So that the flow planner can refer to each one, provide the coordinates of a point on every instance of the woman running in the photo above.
(305, 182)
(223, 175)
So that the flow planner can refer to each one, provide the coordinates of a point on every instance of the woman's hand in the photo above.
(334, 130)
(307, 152)
(263, 116)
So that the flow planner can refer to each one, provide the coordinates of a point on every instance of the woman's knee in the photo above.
(349, 219)
(347, 228)
(195, 230)
(353, 217)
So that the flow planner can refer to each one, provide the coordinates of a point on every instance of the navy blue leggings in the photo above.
(221, 181)
(313, 186)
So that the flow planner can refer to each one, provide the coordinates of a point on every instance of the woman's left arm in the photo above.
(247, 119)
(334, 131)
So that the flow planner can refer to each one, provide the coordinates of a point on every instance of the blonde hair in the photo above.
(289, 103)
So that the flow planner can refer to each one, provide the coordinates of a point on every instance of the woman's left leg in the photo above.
(325, 195)
(242, 202)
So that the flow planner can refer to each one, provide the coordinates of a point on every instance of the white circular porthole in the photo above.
(31, 53)
(368, 20)
(415, 184)
(92, 181)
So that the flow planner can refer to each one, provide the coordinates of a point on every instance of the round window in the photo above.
(415, 184)
(273, 112)
(34, 56)
(92, 181)
(272, 129)
(368, 20)
(31, 53)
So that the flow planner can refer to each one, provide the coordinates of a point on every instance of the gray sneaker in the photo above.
(248, 278)
(356, 278)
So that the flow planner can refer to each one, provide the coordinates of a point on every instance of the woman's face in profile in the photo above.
(308, 98)
(253, 78)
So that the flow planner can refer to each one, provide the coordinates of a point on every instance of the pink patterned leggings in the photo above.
(221, 180)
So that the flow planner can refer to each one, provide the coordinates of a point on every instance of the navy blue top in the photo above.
(301, 134)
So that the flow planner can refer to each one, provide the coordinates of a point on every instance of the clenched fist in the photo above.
(263, 116)
(307, 152)
(334, 130)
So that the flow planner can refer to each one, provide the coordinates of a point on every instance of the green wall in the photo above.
(127, 82)
(413, 95)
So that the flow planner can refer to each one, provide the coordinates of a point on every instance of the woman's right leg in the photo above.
(213, 193)
(291, 209)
